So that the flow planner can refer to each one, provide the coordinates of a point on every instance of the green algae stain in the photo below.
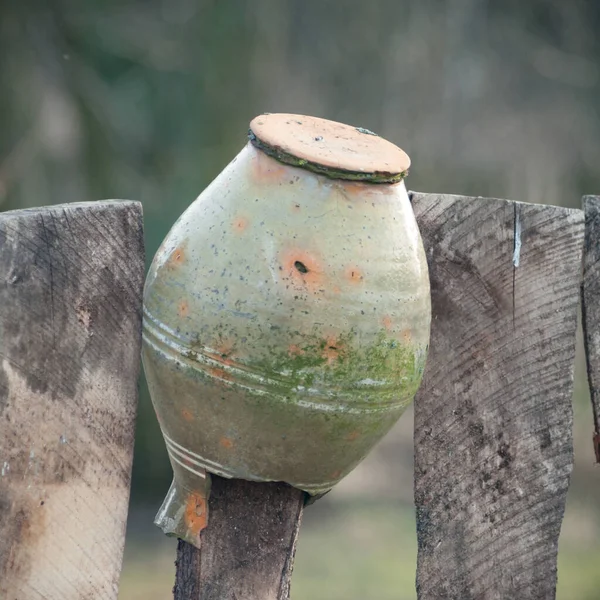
(385, 368)
(383, 371)
(365, 131)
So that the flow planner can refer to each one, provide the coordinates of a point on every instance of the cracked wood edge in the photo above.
(493, 417)
(247, 549)
(71, 281)
(590, 303)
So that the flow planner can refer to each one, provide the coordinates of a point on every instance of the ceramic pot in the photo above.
(286, 314)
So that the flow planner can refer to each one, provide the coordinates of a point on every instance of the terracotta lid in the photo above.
(333, 149)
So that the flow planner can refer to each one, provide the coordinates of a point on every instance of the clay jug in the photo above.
(286, 314)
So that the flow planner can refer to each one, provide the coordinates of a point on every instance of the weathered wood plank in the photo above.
(590, 300)
(70, 331)
(248, 546)
(493, 418)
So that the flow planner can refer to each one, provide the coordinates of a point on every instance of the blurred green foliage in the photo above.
(149, 99)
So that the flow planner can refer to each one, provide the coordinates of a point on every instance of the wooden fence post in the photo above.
(493, 418)
(590, 300)
(70, 331)
(248, 547)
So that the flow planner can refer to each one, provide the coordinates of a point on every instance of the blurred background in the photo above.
(150, 99)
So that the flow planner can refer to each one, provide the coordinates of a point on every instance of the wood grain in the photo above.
(493, 418)
(70, 331)
(248, 546)
(590, 300)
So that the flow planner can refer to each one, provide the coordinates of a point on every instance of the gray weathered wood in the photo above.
(70, 332)
(590, 300)
(493, 418)
(248, 546)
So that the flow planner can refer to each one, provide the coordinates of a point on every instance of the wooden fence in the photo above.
(493, 418)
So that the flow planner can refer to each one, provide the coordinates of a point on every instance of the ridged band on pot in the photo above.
(286, 318)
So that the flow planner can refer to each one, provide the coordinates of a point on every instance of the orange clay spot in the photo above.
(355, 190)
(406, 335)
(240, 224)
(353, 436)
(387, 322)
(337, 289)
(219, 373)
(187, 415)
(335, 475)
(295, 207)
(353, 275)
(265, 170)
(294, 350)
(177, 257)
(303, 270)
(183, 309)
(195, 513)
(332, 349)
(226, 443)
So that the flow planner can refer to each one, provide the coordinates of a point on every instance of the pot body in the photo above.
(286, 325)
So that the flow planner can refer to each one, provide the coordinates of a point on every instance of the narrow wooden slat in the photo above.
(70, 332)
(248, 547)
(590, 300)
(493, 418)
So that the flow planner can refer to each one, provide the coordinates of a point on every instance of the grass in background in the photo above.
(357, 551)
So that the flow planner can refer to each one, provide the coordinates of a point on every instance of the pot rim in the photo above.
(329, 148)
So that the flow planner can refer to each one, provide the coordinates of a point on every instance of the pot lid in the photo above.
(333, 149)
